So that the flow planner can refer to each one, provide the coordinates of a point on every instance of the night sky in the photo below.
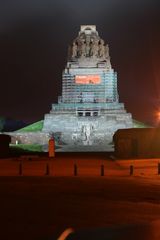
(34, 37)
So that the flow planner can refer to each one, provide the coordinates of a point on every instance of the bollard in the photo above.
(47, 169)
(75, 170)
(102, 170)
(158, 168)
(20, 169)
(131, 170)
(51, 148)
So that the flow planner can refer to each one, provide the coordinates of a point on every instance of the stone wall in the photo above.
(40, 138)
(80, 133)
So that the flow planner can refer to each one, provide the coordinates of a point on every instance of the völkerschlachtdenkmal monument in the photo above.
(89, 112)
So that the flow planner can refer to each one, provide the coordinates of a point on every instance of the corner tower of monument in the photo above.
(88, 113)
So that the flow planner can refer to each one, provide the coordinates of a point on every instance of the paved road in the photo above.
(41, 207)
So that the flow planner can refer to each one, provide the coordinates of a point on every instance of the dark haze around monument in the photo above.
(30, 63)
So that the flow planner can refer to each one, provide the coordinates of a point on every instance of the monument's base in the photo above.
(75, 133)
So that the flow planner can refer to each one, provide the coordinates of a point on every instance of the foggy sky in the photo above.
(34, 37)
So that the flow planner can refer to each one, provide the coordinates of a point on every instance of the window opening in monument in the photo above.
(88, 114)
(80, 114)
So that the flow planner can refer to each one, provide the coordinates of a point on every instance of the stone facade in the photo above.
(88, 113)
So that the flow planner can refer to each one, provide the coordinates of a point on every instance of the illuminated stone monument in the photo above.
(88, 113)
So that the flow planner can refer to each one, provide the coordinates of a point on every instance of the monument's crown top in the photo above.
(88, 28)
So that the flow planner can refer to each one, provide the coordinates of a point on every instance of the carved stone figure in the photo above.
(101, 49)
(74, 50)
(79, 47)
(95, 48)
(88, 47)
(107, 51)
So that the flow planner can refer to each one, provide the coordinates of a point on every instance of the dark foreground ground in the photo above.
(40, 207)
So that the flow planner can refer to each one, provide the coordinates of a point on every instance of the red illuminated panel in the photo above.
(87, 79)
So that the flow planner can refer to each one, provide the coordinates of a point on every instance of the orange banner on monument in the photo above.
(88, 79)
